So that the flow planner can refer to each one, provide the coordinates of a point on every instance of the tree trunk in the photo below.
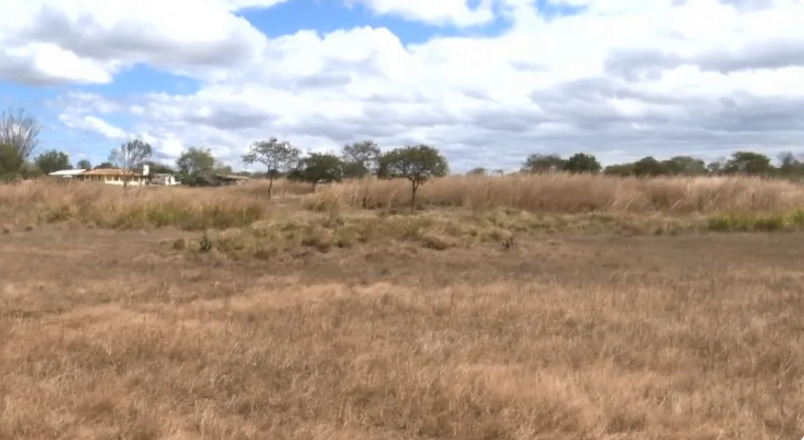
(415, 187)
(270, 186)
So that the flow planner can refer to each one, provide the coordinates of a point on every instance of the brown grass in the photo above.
(105, 206)
(588, 337)
(343, 323)
(576, 193)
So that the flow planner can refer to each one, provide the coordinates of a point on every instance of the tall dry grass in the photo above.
(201, 208)
(575, 193)
(133, 207)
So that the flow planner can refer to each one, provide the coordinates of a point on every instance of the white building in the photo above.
(67, 174)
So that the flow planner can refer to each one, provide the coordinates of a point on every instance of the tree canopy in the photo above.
(418, 164)
(360, 159)
(195, 163)
(319, 168)
(582, 163)
(53, 160)
(279, 157)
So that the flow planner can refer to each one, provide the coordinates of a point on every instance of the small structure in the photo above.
(67, 174)
(231, 179)
(115, 176)
(163, 179)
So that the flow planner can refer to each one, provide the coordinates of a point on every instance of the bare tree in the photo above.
(130, 155)
(19, 131)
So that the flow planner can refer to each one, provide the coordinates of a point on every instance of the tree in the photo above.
(20, 132)
(582, 163)
(106, 164)
(53, 160)
(650, 167)
(10, 162)
(749, 163)
(194, 163)
(84, 164)
(360, 159)
(790, 165)
(319, 168)
(130, 155)
(621, 170)
(542, 163)
(278, 157)
(479, 171)
(685, 165)
(715, 167)
(418, 164)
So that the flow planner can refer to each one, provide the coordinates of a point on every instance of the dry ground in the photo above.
(112, 335)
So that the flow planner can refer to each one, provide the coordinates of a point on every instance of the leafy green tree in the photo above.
(418, 164)
(582, 163)
(194, 163)
(649, 167)
(53, 160)
(278, 157)
(542, 163)
(104, 165)
(130, 155)
(748, 163)
(360, 159)
(84, 164)
(685, 166)
(319, 168)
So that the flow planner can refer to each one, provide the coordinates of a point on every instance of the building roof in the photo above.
(67, 172)
(109, 172)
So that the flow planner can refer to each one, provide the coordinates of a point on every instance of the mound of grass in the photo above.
(436, 230)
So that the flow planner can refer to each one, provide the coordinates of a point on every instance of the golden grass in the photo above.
(575, 193)
(592, 337)
(49, 201)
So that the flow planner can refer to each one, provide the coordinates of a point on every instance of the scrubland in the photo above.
(543, 307)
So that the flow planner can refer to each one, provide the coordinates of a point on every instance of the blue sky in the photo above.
(312, 91)
(323, 16)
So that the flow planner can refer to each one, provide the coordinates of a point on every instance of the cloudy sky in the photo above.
(486, 81)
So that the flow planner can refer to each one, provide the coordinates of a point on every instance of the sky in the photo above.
(487, 82)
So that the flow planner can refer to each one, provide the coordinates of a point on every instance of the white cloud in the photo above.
(441, 12)
(93, 124)
(88, 41)
(623, 79)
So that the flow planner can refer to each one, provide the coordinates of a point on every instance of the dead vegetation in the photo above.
(557, 195)
(473, 321)
(592, 337)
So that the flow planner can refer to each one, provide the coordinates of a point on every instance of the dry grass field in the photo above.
(622, 311)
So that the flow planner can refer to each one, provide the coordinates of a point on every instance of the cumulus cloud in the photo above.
(442, 12)
(93, 124)
(89, 41)
(619, 79)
